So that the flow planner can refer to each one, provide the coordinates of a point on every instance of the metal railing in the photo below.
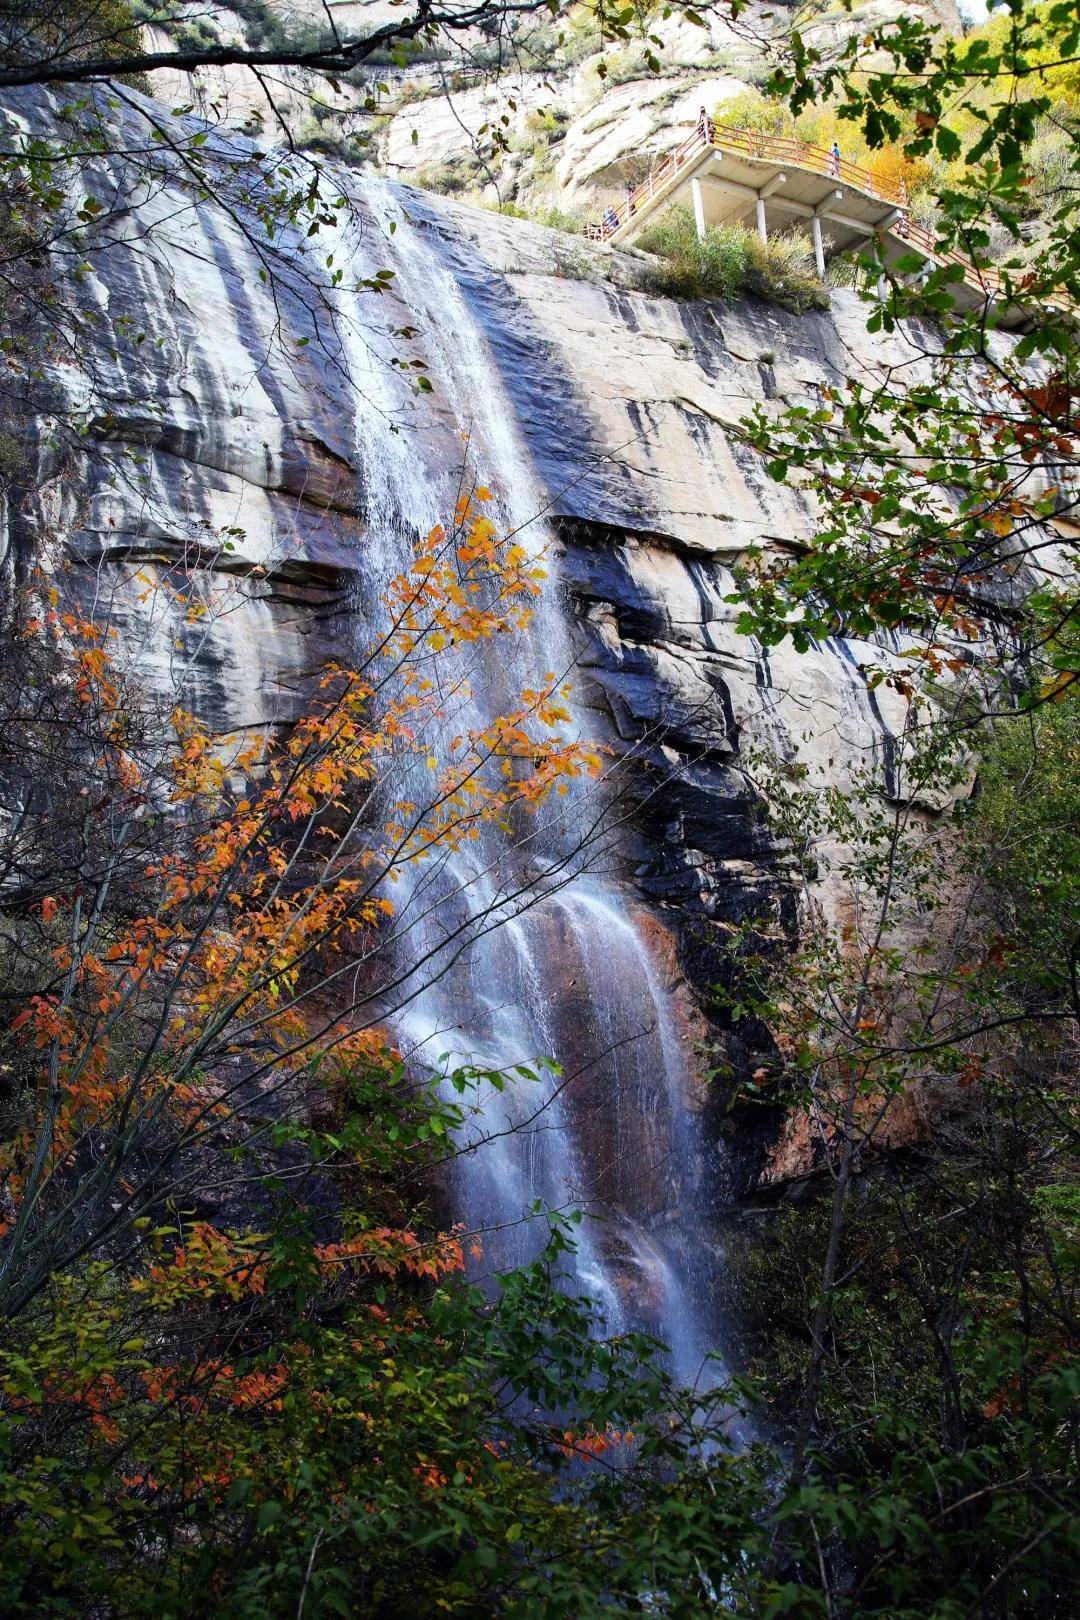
(799, 154)
(757, 145)
(614, 217)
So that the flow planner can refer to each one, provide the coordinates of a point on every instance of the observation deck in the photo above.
(735, 176)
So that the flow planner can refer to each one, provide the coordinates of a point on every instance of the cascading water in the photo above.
(568, 977)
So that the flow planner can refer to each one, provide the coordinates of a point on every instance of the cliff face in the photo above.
(628, 404)
(585, 115)
(538, 113)
(217, 447)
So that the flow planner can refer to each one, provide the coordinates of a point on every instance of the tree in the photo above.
(66, 44)
(947, 494)
(286, 1395)
(182, 920)
(947, 485)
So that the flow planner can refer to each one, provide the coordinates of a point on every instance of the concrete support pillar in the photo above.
(762, 228)
(699, 209)
(819, 246)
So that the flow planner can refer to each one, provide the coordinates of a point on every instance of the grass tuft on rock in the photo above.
(729, 263)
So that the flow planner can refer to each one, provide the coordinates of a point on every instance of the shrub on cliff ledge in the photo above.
(728, 262)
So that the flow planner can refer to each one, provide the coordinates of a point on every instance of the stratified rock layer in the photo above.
(216, 453)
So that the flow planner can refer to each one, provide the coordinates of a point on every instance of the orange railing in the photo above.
(658, 177)
(756, 144)
(924, 239)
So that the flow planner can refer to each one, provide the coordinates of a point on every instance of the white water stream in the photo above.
(568, 977)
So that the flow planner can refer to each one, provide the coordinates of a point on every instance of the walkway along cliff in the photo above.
(776, 182)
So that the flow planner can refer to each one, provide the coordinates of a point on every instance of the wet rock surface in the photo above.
(220, 454)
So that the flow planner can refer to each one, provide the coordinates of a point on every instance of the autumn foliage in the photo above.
(252, 924)
(229, 1301)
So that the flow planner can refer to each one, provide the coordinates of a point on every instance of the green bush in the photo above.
(729, 262)
(454, 177)
(106, 28)
(752, 110)
(555, 218)
(1022, 824)
(12, 459)
(262, 26)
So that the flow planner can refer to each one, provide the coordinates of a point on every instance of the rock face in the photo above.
(547, 113)
(217, 454)
(628, 403)
(606, 114)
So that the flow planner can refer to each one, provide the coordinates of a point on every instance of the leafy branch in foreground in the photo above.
(916, 1324)
(923, 1010)
(947, 484)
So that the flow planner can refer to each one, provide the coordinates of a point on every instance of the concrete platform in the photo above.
(775, 183)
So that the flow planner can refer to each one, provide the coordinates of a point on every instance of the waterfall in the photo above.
(570, 977)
